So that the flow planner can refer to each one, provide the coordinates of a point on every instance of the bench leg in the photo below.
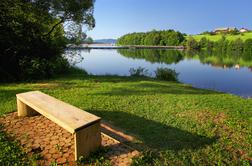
(87, 140)
(25, 110)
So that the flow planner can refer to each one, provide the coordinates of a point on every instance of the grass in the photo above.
(181, 125)
(230, 37)
(10, 152)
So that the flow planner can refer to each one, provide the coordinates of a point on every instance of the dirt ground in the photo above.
(39, 135)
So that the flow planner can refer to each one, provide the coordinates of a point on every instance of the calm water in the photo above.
(223, 74)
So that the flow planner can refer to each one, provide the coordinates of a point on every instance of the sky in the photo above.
(115, 18)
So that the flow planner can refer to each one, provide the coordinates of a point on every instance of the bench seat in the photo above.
(84, 126)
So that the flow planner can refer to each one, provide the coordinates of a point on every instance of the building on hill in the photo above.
(224, 30)
(243, 30)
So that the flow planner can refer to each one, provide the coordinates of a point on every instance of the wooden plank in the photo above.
(25, 110)
(65, 115)
(87, 140)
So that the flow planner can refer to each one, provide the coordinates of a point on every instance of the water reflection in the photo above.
(224, 60)
(154, 55)
(230, 59)
(211, 70)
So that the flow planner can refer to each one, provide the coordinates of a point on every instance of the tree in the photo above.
(154, 37)
(247, 51)
(32, 37)
(234, 31)
(203, 42)
(79, 12)
(192, 44)
(89, 40)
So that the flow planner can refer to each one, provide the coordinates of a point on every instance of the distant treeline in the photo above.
(175, 38)
(222, 46)
(154, 38)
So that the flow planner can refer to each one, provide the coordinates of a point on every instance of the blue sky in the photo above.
(118, 17)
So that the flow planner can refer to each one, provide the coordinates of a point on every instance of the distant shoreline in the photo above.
(113, 46)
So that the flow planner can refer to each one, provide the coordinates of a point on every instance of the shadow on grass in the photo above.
(102, 78)
(74, 77)
(139, 86)
(155, 134)
(143, 88)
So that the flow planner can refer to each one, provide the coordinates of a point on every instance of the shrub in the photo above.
(203, 42)
(138, 72)
(166, 74)
(237, 45)
(95, 158)
(192, 44)
(38, 68)
(11, 153)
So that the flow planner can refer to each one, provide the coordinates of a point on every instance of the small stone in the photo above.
(123, 156)
(56, 156)
(44, 152)
(35, 146)
(48, 156)
(53, 151)
(61, 160)
(135, 153)
(66, 155)
(53, 142)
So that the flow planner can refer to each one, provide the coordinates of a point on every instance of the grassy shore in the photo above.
(180, 124)
(243, 36)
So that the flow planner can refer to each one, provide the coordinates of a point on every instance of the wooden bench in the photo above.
(84, 126)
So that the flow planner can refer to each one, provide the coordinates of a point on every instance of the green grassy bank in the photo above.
(243, 36)
(181, 124)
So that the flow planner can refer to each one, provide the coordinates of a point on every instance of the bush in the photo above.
(192, 44)
(11, 153)
(203, 42)
(208, 33)
(138, 72)
(95, 158)
(247, 51)
(37, 68)
(166, 74)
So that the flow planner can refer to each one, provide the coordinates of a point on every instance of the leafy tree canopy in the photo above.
(154, 37)
(32, 37)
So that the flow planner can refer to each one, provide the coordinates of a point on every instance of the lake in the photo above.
(225, 73)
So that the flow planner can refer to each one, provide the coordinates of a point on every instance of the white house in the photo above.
(243, 30)
(224, 30)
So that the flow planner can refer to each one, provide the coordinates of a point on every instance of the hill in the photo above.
(217, 37)
(112, 41)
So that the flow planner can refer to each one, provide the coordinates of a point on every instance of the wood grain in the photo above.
(65, 115)
(87, 140)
